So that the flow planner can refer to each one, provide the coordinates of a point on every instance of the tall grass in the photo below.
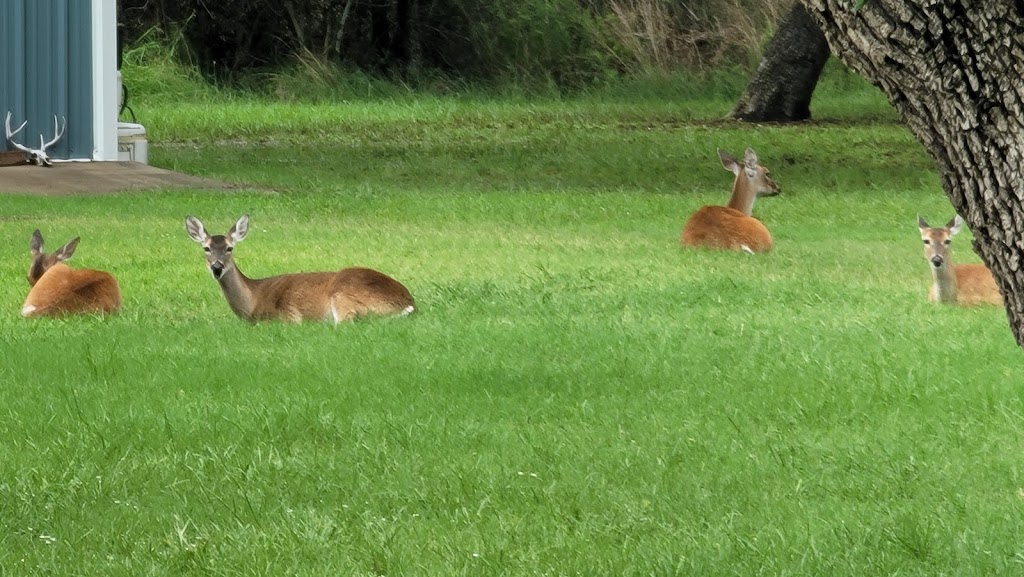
(159, 67)
(536, 45)
(654, 36)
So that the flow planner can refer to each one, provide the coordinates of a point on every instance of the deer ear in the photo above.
(955, 225)
(750, 159)
(36, 244)
(921, 222)
(195, 229)
(728, 162)
(240, 229)
(67, 250)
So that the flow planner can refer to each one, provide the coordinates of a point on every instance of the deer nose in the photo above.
(936, 261)
(217, 268)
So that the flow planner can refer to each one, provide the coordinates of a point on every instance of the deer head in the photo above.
(218, 248)
(43, 261)
(35, 156)
(937, 240)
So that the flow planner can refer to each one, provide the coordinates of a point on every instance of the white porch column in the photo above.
(104, 79)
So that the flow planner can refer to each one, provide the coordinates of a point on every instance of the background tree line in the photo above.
(570, 43)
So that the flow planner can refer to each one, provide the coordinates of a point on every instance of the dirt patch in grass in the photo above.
(96, 178)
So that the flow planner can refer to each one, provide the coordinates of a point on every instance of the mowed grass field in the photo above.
(576, 395)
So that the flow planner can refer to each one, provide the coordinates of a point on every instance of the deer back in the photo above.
(62, 290)
(976, 285)
(336, 296)
(725, 228)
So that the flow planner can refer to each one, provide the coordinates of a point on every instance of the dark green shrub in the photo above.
(562, 43)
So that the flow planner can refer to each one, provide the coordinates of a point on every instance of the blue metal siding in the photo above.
(46, 69)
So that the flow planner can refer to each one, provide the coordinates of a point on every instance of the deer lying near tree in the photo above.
(35, 156)
(731, 227)
(961, 284)
(337, 296)
(59, 290)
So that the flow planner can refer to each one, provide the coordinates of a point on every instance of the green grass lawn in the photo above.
(576, 395)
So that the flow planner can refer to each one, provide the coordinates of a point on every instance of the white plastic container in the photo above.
(131, 142)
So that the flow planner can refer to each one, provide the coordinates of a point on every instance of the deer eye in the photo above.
(926, 241)
(230, 248)
(947, 241)
(206, 249)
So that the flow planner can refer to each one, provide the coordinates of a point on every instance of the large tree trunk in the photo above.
(781, 89)
(953, 70)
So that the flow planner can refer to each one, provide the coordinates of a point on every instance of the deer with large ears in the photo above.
(961, 284)
(58, 290)
(336, 296)
(731, 227)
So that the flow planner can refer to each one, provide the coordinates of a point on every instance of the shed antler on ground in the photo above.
(35, 156)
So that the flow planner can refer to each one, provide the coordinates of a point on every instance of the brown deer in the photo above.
(731, 227)
(337, 296)
(58, 290)
(961, 284)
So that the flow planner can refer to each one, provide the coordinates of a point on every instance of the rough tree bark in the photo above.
(952, 68)
(781, 88)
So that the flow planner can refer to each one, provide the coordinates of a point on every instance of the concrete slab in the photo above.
(65, 178)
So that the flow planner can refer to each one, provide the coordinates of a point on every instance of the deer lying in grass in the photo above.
(58, 290)
(337, 296)
(962, 284)
(731, 227)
